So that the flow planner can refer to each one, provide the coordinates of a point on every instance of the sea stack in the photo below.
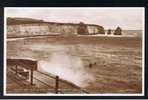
(118, 31)
(109, 32)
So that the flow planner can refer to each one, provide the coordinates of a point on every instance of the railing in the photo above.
(54, 86)
(57, 80)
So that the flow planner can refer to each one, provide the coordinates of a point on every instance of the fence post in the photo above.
(16, 69)
(31, 77)
(57, 84)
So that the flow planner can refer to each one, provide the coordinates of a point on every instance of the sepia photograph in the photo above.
(74, 51)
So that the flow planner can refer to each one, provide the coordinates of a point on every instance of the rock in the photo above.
(101, 30)
(118, 31)
(90, 65)
(82, 29)
(109, 32)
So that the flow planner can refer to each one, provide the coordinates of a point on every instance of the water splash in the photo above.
(67, 67)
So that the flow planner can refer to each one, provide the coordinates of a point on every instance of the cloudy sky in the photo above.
(109, 17)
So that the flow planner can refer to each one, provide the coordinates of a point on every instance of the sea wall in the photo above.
(32, 29)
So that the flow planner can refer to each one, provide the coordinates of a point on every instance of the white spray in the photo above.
(67, 67)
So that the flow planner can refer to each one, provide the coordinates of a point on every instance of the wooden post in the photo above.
(31, 77)
(57, 84)
(16, 69)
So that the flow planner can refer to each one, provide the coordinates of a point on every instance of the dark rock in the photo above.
(82, 29)
(90, 65)
(118, 31)
(109, 31)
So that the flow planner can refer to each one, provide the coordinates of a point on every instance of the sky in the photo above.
(130, 18)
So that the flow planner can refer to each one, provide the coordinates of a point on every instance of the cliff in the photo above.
(29, 27)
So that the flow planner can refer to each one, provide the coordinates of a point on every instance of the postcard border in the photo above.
(109, 94)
